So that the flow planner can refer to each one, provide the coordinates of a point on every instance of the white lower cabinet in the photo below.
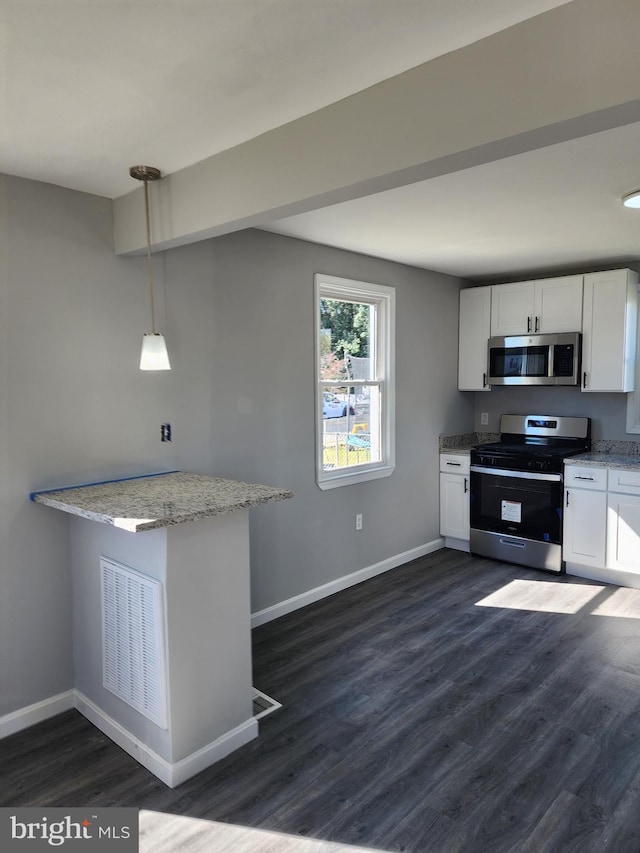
(585, 526)
(602, 524)
(623, 523)
(454, 500)
(623, 531)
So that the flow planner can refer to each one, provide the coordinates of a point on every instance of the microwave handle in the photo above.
(552, 359)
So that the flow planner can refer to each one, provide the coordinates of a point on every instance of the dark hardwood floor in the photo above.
(414, 719)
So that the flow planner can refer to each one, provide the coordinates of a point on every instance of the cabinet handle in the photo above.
(456, 464)
(528, 324)
(584, 379)
(484, 380)
(466, 485)
(537, 323)
(578, 477)
(567, 498)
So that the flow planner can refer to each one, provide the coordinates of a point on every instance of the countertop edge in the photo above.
(138, 522)
(628, 462)
(185, 518)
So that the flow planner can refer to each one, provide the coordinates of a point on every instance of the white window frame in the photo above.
(332, 287)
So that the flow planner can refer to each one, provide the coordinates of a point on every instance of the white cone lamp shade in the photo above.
(154, 355)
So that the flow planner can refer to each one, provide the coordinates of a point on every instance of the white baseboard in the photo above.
(618, 577)
(171, 774)
(212, 752)
(175, 774)
(319, 592)
(23, 718)
(457, 544)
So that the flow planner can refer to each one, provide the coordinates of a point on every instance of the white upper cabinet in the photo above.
(474, 329)
(512, 307)
(609, 330)
(545, 306)
(558, 305)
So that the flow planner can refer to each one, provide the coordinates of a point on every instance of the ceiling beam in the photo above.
(567, 73)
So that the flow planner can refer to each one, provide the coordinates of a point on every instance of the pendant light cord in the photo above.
(149, 264)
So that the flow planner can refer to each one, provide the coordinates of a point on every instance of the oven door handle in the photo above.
(520, 475)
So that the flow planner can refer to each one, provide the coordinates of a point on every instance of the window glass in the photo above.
(354, 363)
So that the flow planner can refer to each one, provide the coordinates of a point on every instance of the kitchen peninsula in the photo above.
(161, 614)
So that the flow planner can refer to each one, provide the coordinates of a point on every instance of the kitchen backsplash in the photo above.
(466, 439)
(469, 439)
(626, 447)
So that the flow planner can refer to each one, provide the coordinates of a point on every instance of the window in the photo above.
(355, 324)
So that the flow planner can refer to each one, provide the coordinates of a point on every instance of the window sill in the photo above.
(348, 478)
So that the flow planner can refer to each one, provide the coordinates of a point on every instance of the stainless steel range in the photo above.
(516, 489)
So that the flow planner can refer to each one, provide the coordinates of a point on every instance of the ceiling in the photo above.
(89, 89)
(556, 208)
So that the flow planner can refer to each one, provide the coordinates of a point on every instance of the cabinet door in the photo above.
(558, 305)
(585, 527)
(623, 532)
(609, 331)
(454, 506)
(474, 331)
(512, 308)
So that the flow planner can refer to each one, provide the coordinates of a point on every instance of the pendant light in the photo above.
(154, 355)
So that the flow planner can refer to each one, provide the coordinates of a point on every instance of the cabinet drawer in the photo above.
(585, 478)
(627, 482)
(454, 463)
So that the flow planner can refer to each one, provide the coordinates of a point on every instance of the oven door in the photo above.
(518, 503)
(516, 517)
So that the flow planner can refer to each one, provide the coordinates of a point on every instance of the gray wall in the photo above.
(607, 411)
(264, 362)
(238, 316)
(73, 405)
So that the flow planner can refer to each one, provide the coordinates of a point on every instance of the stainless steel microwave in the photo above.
(535, 359)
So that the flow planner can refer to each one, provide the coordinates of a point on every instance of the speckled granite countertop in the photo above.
(461, 443)
(605, 453)
(160, 500)
(628, 461)
(458, 451)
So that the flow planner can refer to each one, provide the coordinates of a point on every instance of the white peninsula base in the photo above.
(204, 570)
(176, 551)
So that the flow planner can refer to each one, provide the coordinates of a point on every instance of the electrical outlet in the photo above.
(359, 521)
(484, 418)
(165, 432)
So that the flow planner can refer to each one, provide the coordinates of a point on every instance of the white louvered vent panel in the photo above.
(133, 656)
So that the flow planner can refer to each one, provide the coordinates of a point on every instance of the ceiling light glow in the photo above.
(632, 199)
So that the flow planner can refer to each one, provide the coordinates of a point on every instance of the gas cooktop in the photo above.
(539, 442)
